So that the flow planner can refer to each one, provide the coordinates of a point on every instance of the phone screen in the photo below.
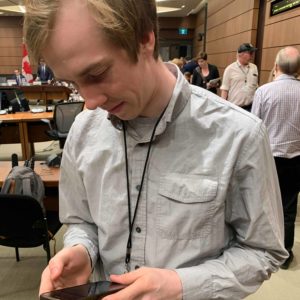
(89, 291)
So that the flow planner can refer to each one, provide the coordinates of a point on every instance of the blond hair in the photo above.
(126, 23)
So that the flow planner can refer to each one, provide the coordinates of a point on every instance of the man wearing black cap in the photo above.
(240, 78)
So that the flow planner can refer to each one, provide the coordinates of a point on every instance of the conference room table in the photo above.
(25, 128)
(49, 175)
(44, 92)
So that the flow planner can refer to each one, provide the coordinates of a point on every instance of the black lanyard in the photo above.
(131, 223)
(244, 72)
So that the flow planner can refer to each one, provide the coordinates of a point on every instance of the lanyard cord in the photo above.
(244, 72)
(131, 223)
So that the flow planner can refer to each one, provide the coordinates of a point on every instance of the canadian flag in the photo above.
(26, 68)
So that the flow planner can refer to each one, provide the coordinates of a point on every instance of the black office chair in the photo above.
(63, 118)
(23, 224)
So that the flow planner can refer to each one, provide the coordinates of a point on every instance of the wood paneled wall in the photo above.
(229, 24)
(233, 22)
(279, 31)
(10, 44)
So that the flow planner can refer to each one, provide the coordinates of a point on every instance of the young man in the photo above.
(44, 73)
(160, 180)
(240, 79)
(277, 104)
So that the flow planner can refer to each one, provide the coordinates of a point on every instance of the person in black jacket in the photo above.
(44, 73)
(206, 75)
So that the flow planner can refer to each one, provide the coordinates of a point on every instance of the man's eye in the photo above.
(98, 76)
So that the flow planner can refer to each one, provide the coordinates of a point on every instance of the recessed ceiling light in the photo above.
(13, 8)
(161, 9)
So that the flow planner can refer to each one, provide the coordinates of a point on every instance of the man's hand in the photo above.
(148, 283)
(70, 266)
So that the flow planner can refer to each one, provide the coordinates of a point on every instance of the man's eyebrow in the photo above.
(94, 66)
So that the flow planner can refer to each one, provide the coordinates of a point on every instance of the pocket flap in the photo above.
(188, 188)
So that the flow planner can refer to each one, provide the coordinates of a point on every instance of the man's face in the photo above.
(245, 57)
(17, 72)
(79, 52)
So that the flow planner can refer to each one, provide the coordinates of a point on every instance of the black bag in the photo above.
(23, 180)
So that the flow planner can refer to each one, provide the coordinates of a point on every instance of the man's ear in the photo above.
(148, 43)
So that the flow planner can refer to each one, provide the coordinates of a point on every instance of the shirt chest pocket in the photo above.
(185, 206)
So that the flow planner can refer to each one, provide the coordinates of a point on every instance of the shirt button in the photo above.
(138, 230)
(137, 267)
(138, 187)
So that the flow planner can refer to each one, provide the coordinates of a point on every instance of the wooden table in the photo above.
(43, 92)
(46, 92)
(49, 175)
(25, 128)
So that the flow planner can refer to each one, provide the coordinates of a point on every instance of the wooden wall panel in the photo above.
(8, 51)
(231, 43)
(269, 55)
(283, 33)
(264, 76)
(280, 17)
(230, 23)
(6, 22)
(279, 31)
(10, 44)
(216, 5)
(10, 32)
(231, 11)
(175, 23)
(241, 23)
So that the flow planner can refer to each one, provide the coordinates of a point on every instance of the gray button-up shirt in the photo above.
(210, 206)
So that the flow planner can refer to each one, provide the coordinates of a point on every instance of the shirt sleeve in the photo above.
(225, 81)
(254, 212)
(256, 105)
(73, 206)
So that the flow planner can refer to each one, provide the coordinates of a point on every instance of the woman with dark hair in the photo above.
(206, 75)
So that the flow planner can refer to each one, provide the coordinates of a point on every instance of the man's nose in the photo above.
(92, 95)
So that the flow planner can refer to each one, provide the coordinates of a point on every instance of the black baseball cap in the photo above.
(246, 47)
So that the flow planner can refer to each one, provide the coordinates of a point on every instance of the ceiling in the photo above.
(165, 8)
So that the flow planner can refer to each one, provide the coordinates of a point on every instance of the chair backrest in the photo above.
(2, 80)
(22, 222)
(64, 115)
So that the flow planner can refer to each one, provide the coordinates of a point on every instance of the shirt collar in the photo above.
(180, 96)
(242, 66)
(285, 76)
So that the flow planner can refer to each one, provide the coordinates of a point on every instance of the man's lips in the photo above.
(115, 108)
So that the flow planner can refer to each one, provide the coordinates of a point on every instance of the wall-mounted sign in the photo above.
(280, 6)
(184, 31)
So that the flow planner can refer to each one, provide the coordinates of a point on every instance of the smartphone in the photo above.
(90, 291)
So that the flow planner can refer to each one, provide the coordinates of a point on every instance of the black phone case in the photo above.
(89, 291)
